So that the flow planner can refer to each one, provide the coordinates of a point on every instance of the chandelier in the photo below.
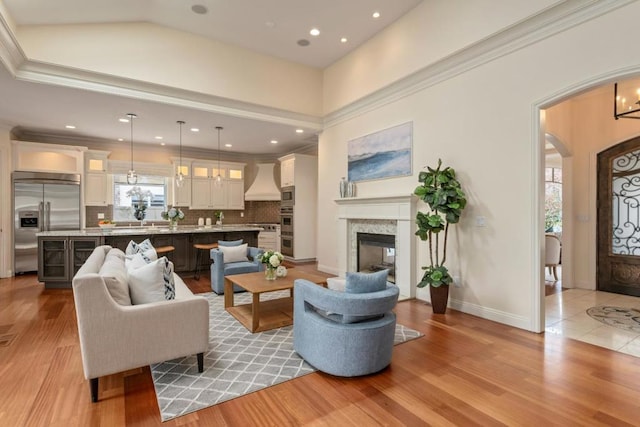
(626, 101)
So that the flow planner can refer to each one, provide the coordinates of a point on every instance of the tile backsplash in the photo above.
(254, 212)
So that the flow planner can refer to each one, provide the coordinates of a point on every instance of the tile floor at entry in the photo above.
(566, 315)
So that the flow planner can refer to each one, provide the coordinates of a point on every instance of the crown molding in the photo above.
(41, 72)
(545, 24)
(27, 136)
(11, 54)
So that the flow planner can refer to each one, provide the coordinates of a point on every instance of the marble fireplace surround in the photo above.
(385, 215)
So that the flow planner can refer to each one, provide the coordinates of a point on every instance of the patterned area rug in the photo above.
(237, 362)
(620, 317)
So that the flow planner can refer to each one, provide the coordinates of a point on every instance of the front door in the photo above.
(618, 222)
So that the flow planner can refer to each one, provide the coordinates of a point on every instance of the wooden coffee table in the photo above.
(259, 315)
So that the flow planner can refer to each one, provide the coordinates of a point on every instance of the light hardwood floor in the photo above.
(465, 371)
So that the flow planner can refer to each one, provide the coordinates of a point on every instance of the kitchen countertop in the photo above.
(163, 229)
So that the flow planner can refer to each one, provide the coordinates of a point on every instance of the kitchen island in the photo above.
(61, 253)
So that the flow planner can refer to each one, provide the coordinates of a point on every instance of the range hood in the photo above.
(264, 187)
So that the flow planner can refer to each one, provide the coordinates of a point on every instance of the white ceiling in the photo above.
(268, 26)
(39, 109)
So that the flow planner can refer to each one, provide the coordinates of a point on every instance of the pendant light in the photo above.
(218, 182)
(132, 176)
(179, 176)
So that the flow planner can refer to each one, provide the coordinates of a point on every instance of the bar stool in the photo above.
(199, 247)
(163, 250)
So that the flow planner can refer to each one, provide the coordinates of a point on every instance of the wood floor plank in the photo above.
(464, 371)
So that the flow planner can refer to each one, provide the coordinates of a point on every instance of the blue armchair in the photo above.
(344, 334)
(220, 268)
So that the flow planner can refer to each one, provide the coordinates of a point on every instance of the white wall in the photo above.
(156, 54)
(432, 31)
(481, 122)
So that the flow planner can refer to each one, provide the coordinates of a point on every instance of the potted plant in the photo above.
(442, 192)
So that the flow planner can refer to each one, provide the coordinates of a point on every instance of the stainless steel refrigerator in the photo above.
(41, 202)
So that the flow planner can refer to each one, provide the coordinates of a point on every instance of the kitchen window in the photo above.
(150, 191)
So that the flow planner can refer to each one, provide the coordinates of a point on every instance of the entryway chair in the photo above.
(552, 253)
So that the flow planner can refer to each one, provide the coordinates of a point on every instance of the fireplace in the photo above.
(389, 216)
(376, 252)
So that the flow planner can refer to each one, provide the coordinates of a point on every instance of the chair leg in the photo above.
(200, 362)
(93, 384)
(197, 275)
(555, 273)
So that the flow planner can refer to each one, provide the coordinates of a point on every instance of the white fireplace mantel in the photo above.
(401, 210)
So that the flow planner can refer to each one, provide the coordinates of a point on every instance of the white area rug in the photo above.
(237, 362)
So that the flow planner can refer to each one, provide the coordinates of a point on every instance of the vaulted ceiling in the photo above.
(40, 108)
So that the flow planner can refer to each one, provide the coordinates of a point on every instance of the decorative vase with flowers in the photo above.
(139, 201)
(173, 215)
(272, 260)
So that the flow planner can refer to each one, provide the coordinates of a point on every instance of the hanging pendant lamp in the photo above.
(218, 182)
(132, 176)
(179, 176)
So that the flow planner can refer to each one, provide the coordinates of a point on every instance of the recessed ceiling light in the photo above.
(299, 131)
(199, 9)
(228, 145)
(123, 120)
(314, 32)
(162, 143)
(343, 40)
(303, 42)
(376, 15)
(273, 141)
(195, 130)
(70, 126)
(158, 137)
(120, 139)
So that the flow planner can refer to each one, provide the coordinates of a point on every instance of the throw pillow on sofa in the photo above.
(234, 253)
(145, 248)
(114, 274)
(152, 282)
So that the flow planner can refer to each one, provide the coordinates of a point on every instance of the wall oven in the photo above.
(286, 230)
(286, 220)
(286, 244)
(287, 196)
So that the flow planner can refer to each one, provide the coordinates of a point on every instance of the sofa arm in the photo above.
(255, 254)
(115, 338)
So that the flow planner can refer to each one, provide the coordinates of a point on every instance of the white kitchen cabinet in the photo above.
(287, 170)
(206, 195)
(235, 194)
(182, 195)
(96, 189)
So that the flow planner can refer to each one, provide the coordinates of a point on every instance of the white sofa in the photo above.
(115, 337)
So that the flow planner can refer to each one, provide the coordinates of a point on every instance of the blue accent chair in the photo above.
(344, 334)
(219, 268)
